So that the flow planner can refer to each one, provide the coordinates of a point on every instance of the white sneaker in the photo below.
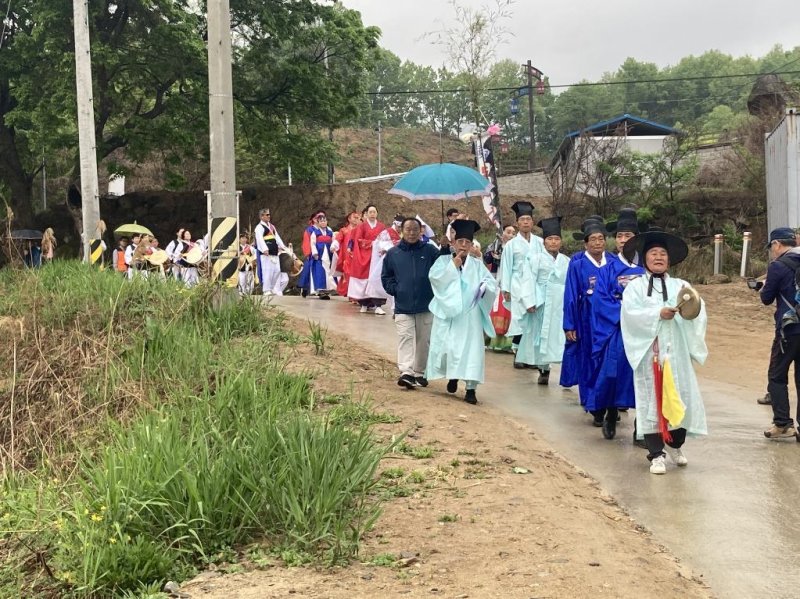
(379, 311)
(363, 309)
(658, 465)
(677, 456)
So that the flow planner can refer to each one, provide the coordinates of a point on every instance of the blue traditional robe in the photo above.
(613, 387)
(546, 345)
(578, 368)
(460, 318)
(316, 273)
(517, 279)
(682, 340)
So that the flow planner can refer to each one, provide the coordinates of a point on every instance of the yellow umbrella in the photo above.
(132, 229)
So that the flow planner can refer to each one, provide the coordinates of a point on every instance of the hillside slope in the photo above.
(402, 149)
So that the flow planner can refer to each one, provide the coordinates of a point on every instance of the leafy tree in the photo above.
(294, 59)
(303, 61)
(471, 44)
(146, 59)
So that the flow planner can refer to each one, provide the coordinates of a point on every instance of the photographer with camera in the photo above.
(780, 287)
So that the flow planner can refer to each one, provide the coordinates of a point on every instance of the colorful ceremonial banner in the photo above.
(484, 160)
(671, 405)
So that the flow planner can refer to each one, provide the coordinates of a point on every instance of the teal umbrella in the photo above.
(442, 181)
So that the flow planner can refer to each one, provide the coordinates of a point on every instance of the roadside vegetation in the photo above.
(148, 430)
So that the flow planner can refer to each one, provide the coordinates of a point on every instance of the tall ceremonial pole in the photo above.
(223, 204)
(87, 144)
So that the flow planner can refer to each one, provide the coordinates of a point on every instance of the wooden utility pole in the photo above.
(223, 201)
(87, 144)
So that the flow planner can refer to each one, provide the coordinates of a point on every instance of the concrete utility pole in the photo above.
(220, 111)
(532, 158)
(90, 197)
(223, 201)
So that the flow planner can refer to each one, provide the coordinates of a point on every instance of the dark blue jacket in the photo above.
(405, 276)
(779, 288)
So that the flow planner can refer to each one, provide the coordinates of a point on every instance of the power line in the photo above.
(582, 84)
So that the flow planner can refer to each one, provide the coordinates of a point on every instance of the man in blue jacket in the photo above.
(780, 288)
(405, 277)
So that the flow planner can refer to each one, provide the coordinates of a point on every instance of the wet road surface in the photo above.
(732, 514)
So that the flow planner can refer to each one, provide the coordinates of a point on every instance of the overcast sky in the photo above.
(573, 40)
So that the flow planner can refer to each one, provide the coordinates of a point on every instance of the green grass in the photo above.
(170, 436)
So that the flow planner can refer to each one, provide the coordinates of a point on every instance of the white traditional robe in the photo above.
(517, 279)
(460, 318)
(683, 340)
(546, 344)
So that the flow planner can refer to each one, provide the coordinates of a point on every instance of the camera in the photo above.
(755, 285)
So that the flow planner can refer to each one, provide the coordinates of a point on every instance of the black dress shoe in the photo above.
(519, 365)
(638, 442)
(609, 428)
(470, 397)
(544, 377)
(452, 385)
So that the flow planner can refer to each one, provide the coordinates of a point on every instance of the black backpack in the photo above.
(792, 315)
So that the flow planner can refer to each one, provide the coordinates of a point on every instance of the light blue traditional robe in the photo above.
(460, 318)
(683, 340)
(517, 279)
(546, 345)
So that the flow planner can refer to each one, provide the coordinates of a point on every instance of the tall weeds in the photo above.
(157, 431)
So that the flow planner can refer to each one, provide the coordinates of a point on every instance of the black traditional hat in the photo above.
(550, 226)
(626, 221)
(465, 229)
(522, 209)
(593, 224)
(677, 250)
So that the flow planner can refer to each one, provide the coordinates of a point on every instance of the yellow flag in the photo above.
(671, 405)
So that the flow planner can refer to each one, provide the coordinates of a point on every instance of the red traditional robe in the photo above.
(343, 236)
(363, 237)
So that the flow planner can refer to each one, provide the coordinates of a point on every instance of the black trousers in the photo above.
(785, 352)
(655, 444)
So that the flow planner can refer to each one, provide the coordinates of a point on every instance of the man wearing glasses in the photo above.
(269, 243)
(405, 277)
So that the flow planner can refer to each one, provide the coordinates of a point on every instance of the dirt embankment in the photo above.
(479, 507)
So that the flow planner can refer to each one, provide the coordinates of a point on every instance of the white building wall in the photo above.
(782, 160)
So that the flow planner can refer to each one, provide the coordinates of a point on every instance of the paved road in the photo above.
(732, 514)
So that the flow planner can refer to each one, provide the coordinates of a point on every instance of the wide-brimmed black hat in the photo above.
(465, 229)
(626, 221)
(677, 250)
(522, 209)
(593, 224)
(550, 226)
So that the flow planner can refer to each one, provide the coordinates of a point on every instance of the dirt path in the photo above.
(463, 523)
